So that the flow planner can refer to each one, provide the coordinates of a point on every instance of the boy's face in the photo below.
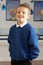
(22, 14)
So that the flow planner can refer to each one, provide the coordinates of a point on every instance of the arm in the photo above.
(33, 44)
(10, 36)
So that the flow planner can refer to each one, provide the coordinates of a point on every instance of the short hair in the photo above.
(26, 5)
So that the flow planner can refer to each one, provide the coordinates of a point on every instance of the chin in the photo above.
(20, 20)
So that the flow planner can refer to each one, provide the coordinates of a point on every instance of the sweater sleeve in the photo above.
(10, 36)
(9, 39)
(33, 44)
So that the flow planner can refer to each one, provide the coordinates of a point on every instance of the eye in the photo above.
(18, 12)
(23, 12)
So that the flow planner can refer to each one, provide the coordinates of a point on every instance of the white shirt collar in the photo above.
(21, 24)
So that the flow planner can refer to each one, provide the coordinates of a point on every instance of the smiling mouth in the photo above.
(20, 17)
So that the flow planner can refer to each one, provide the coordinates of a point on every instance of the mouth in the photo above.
(20, 17)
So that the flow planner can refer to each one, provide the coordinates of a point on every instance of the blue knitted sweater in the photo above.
(23, 43)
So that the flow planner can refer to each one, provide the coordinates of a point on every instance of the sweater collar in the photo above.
(23, 24)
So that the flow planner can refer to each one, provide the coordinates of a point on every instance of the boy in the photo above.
(22, 39)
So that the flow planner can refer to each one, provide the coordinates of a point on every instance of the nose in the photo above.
(20, 12)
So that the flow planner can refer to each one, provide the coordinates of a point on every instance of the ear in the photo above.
(29, 15)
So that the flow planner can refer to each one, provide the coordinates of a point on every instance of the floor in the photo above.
(38, 62)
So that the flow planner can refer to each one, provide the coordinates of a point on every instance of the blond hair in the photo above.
(24, 5)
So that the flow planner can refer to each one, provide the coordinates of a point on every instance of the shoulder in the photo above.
(30, 27)
(32, 31)
(12, 27)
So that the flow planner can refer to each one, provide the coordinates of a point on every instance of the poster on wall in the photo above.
(35, 0)
(38, 11)
(11, 6)
(4, 33)
(39, 32)
(7, 16)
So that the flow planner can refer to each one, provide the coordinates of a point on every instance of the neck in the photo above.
(19, 23)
